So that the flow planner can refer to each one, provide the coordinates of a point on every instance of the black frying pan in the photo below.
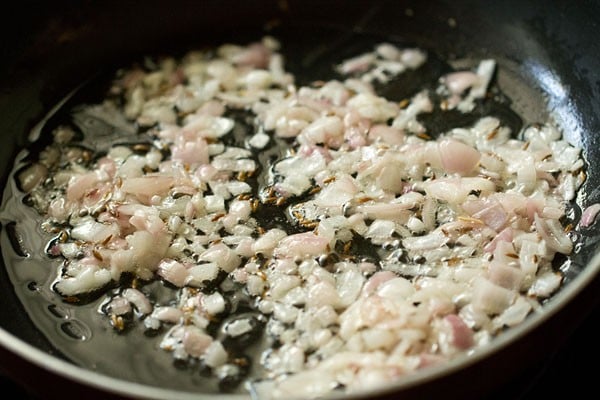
(544, 51)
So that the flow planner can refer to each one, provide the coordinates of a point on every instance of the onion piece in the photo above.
(545, 284)
(553, 234)
(31, 176)
(458, 157)
(301, 244)
(589, 215)
(491, 298)
(138, 299)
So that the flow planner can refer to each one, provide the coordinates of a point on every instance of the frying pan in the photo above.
(549, 67)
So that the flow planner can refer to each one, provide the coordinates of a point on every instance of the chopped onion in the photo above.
(340, 229)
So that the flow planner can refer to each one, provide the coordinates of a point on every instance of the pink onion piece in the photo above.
(589, 215)
(223, 256)
(462, 335)
(79, 185)
(167, 314)
(173, 272)
(506, 235)
(386, 134)
(376, 280)
(138, 299)
(458, 82)
(195, 342)
(358, 64)
(493, 216)
(458, 157)
(505, 275)
(256, 55)
(148, 185)
(119, 306)
(301, 244)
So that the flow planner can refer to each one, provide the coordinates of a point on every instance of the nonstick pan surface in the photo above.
(549, 67)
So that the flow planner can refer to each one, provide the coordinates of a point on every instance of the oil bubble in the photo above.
(75, 329)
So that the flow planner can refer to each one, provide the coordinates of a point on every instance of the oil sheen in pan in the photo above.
(82, 334)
